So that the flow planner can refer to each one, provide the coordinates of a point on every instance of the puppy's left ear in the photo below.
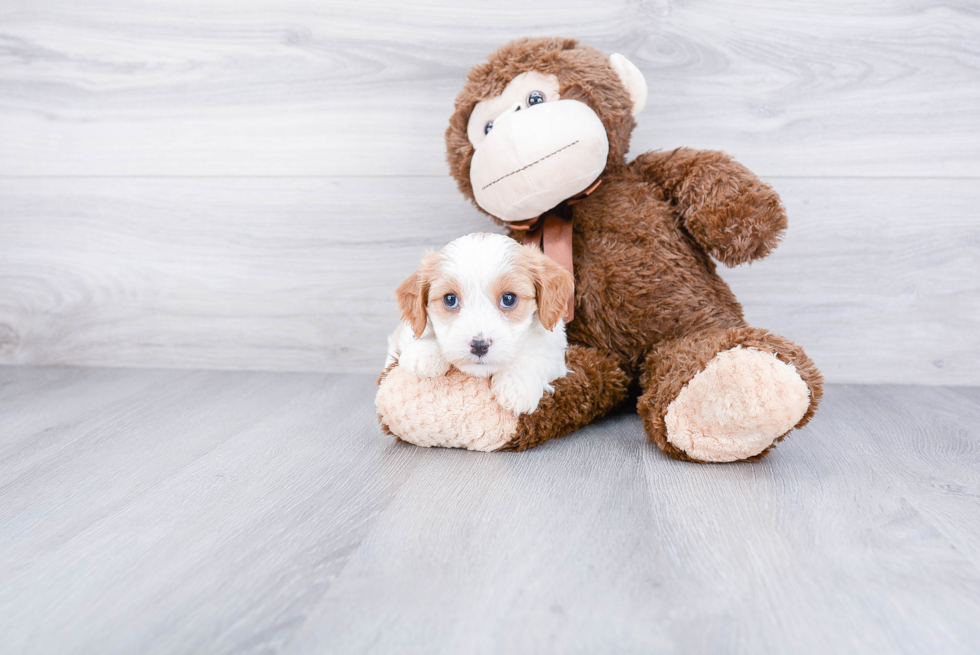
(553, 285)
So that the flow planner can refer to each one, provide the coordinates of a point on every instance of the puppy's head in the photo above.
(483, 294)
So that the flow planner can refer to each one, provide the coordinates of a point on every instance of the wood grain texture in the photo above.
(188, 512)
(276, 274)
(303, 87)
(241, 185)
(878, 279)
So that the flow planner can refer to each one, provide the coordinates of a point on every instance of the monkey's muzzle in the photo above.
(535, 158)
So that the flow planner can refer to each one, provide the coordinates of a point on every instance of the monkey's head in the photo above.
(539, 122)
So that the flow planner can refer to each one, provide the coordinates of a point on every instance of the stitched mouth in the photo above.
(524, 168)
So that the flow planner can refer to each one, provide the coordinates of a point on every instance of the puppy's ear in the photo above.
(554, 285)
(413, 295)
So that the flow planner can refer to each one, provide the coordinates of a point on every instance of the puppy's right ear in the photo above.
(413, 296)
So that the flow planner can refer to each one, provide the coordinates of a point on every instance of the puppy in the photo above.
(491, 307)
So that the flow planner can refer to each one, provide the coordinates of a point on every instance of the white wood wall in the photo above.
(242, 184)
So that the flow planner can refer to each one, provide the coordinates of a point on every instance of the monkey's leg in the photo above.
(592, 388)
(726, 394)
(458, 411)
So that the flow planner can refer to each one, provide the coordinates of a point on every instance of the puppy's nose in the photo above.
(479, 347)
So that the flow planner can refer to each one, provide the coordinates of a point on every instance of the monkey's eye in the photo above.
(536, 98)
(450, 300)
(489, 126)
(508, 300)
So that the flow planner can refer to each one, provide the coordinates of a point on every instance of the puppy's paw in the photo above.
(519, 394)
(424, 362)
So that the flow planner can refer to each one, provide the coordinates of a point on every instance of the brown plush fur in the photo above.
(584, 73)
(647, 296)
(594, 386)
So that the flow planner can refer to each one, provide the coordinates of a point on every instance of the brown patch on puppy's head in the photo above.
(584, 74)
(440, 285)
(519, 281)
(413, 293)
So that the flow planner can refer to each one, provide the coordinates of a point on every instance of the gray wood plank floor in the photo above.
(161, 511)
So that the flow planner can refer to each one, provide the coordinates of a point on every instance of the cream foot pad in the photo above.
(737, 406)
(451, 411)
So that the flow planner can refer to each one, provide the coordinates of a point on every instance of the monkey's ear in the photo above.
(413, 296)
(632, 79)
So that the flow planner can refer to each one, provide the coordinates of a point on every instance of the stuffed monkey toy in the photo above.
(538, 142)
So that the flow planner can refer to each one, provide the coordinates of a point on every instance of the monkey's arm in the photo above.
(730, 212)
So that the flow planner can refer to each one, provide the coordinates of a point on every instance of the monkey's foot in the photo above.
(727, 394)
(451, 411)
(737, 406)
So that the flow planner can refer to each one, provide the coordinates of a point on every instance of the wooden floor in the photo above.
(153, 511)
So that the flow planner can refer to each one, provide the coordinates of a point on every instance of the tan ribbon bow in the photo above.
(552, 232)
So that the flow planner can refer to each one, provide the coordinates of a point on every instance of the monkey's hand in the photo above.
(729, 211)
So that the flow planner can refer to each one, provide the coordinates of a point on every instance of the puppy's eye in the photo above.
(488, 127)
(535, 98)
(508, 300)
(450, 301)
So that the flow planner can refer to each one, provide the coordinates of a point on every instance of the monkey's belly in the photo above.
(632, 295)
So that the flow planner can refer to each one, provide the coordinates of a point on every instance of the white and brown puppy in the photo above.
(491, 307)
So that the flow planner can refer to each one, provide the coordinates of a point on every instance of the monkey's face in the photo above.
(533, 149)
(539, 122)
